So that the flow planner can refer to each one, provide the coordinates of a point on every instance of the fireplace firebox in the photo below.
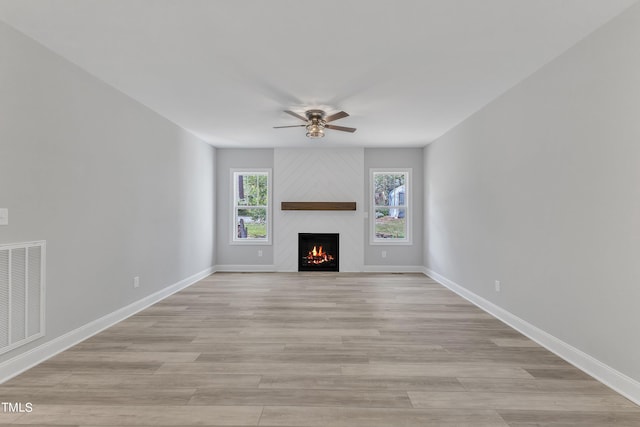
(318, 251)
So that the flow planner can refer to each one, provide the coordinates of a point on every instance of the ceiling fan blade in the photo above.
(342, 128)
(336, 116)
(294, 126)
(296, 115)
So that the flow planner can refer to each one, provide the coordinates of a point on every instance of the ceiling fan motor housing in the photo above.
(311, 114)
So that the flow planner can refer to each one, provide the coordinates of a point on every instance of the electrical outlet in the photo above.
(259, 252)
(497, 285)
(136, 282)
(383, 254)
(4, 216)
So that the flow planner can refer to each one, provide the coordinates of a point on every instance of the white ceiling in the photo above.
(406, 71)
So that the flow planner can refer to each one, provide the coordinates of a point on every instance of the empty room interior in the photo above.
(346, 213)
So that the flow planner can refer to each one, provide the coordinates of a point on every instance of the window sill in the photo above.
(250, 242)
(390, 243)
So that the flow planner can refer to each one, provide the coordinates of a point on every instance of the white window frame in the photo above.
(373, 240)
(235, 240)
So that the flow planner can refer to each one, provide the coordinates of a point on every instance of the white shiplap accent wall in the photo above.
(318, 175)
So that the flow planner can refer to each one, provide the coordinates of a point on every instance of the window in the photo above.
(251, 206)
(390, 196)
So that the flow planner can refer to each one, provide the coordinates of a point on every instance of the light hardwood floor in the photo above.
(313, 349)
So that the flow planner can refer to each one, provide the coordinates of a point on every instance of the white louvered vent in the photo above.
(21, 294)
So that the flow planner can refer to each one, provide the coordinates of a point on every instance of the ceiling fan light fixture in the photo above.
(315, 129)
(318, 133)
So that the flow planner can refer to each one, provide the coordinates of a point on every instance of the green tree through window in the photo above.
(390, 197)
(251, 206)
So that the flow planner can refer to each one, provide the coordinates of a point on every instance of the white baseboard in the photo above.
(15, 366)
(393, 269)
(623, 384)
(242, 268)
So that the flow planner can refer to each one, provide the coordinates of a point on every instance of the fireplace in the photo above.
(318, 251)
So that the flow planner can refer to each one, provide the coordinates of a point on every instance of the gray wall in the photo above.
(237, 254)
(541, 190)
(410, 255)
(116, 190)
(233, 255)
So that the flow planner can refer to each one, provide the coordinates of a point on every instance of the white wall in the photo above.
(116, 190)
(541, 190)
(318, 175)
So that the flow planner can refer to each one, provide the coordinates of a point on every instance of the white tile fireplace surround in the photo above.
(318, 175)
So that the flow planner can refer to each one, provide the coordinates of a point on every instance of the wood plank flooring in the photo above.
(312, 349)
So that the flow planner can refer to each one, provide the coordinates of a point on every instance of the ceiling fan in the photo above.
(317, 121)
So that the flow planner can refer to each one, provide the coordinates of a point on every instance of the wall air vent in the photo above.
(22, 269)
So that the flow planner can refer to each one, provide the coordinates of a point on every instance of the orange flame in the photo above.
(317, 255)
